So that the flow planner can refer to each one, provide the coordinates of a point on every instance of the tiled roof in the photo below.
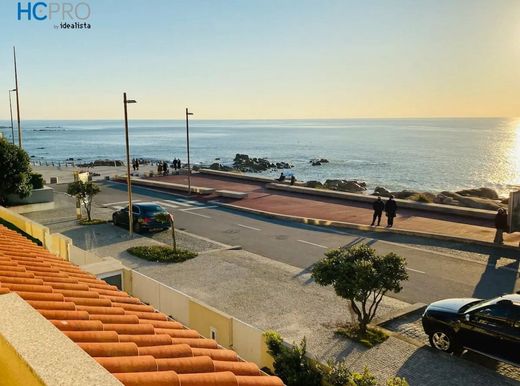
(138, 345)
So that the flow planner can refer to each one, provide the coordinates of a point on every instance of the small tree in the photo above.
(362, 277)
(84, 191)
(291, 363)
(15, 171)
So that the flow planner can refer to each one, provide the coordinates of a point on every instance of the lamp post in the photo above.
(188, 150)
(128, 180)
(17, 100)
(11, 110)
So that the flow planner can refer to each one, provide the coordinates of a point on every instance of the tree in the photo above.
(15, 171)
(290, 362)
(84, 191)
(362, 277)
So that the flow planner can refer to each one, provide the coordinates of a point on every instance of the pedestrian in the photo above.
(501, 225)
(137, 164)
(165, 168)
(293, 179)
(281, 178)
(159, 168)
(174, 163)
(390, 209)
(378, 207)
(133, 164)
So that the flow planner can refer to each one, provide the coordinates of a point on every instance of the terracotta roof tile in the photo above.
(139, 345)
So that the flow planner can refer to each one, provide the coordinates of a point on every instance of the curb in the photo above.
(341, 224)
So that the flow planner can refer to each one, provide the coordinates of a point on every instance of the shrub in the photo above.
(36, 181)
(336, 374)
(290, 363)
(370, 338)
(15, 169)
(362, 379)
(396, 382)
(162, 254)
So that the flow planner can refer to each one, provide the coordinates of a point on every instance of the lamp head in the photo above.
(131, 101)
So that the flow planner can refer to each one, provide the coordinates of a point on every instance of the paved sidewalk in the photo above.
(352, 213)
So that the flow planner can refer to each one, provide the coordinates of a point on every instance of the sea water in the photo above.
(417, 154)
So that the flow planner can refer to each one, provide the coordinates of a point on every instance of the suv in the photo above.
(146, 216)
(489, 327)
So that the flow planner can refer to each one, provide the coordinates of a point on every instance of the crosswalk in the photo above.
(180, 203)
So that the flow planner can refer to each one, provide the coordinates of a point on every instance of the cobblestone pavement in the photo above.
(410, 326)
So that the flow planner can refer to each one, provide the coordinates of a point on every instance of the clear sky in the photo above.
(268, 59)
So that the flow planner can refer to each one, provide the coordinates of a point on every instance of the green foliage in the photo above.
(84, 191)
(362, 379)
(37, 181)
(422, 197)
(370, 338)
(359, 275)
(161, 254)
(15, 169)
(336, 374)
(397, 382)
(290, 363)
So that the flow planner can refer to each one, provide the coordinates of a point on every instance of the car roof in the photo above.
(515, 298)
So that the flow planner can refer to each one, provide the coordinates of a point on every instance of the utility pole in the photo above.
(17, 100)
(188, 150)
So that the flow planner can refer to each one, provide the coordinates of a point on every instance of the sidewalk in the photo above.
(344, 213)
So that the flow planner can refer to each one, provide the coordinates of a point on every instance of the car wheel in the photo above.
(443, 340)
(114, 219)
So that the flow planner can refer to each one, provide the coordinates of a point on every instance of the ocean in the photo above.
(416, 154)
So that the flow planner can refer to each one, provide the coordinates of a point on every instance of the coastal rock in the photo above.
(404, 194)
(480, 192)
(102, 162)
(244, 163)
(318, 161)
(351, 186)
(314, 184)
(217, 166)
(380, 191)
(451, 198)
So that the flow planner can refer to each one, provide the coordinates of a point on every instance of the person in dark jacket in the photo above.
(501, 225)
(378, 206)
(391, 210)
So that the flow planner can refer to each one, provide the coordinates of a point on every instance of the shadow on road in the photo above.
(497, 280)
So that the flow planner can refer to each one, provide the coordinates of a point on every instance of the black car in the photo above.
(490, 327)
(146, 216)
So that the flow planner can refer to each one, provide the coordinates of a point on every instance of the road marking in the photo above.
(181, 203)
(316, 245)
(248, 227)
(191, 202)
(166, 204)
(119, 202)
(195, 214)
(199, 207)
(414, 270)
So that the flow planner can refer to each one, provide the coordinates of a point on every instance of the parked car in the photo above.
(490, 327)
(146, 216)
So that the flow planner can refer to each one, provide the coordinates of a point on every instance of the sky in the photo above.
(266, 59)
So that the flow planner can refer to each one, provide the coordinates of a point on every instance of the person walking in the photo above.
(165, 168)
(391, 210)
(137, 164)
(133, 164)
(378, 207)
(174, 164)
(501, 225)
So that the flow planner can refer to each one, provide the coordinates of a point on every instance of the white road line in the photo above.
(248, 227)
(181, 203)
(196, 214)
(199, 207)
(117, 207)
(119, 202)
(414, 270)
(316, 245)
(166, 204)
(191, 202)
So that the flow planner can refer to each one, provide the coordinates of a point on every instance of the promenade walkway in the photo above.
(352, 213)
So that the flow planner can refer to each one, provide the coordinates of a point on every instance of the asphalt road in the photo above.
(433, 275)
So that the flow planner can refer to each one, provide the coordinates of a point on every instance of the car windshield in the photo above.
(478, 304)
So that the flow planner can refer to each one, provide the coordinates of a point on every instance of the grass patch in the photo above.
(162, 254)
(94, 221)
(16, 229)
(373, 336)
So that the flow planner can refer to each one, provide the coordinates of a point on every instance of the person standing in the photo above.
(501, 225)
(133, 164)
(137, 163)
(378, 207)
(391, 210)
(165, 168)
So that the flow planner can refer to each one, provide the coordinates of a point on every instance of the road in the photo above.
(455, 271)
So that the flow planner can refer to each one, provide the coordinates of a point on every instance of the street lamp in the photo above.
(128, 180)
(17, 100)
(11, 110)
(188, 150)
